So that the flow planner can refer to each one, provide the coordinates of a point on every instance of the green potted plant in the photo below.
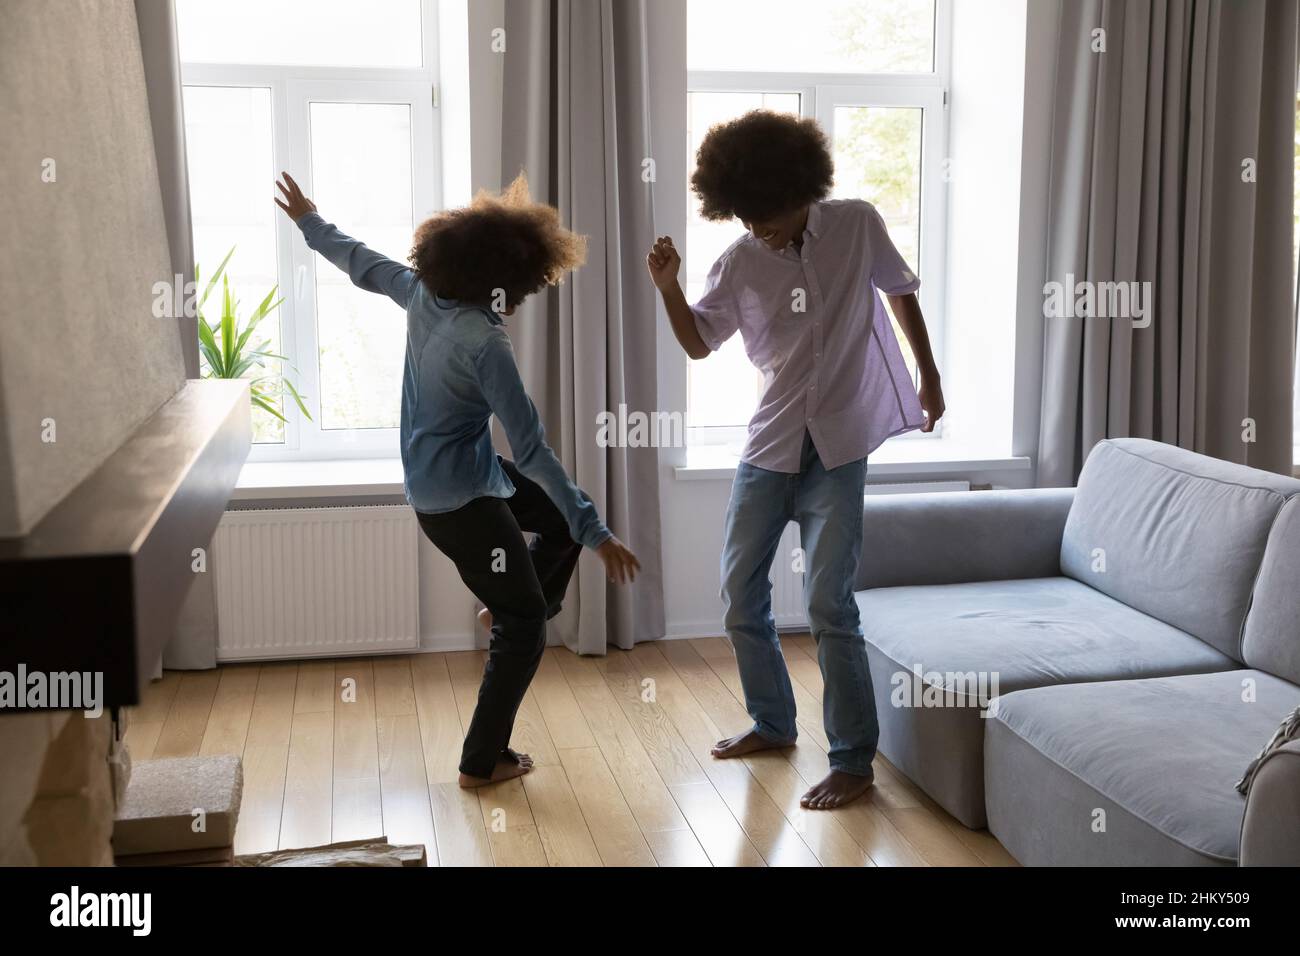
(229, 350)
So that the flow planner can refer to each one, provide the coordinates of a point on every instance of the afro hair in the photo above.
(497, 245)
(760, 166)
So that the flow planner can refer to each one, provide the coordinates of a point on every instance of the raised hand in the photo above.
(663, 263)
(620, 564)
(298, 205)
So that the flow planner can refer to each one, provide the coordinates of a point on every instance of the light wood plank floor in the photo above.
(345, 749)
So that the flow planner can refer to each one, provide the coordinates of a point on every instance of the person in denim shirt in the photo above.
(471, 266)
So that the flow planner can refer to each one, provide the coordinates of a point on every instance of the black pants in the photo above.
(521, 583)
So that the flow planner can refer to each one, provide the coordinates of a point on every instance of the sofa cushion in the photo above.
(1271, 641)
(1030, 632)
(1010, 634)
(1159, 757)
(1177, 535)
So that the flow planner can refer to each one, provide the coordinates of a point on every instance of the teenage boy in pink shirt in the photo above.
(802, 287)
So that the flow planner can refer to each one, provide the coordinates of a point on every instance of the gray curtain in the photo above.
(195, 644)
(1147, 153)
(575, 117)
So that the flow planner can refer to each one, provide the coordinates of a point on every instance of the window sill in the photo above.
(358, 477)
(299, 480)
(910, 457)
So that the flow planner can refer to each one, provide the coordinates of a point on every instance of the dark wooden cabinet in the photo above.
(98, 584)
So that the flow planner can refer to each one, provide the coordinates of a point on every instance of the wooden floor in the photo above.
(623, 775)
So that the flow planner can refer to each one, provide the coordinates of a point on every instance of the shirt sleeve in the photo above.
(504, 390)
(889, 272)
(717, 314)
(366, 268)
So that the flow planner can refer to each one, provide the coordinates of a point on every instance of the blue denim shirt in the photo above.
(460, 370)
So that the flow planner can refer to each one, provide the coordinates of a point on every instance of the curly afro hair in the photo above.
(506, 242)
(760, 166)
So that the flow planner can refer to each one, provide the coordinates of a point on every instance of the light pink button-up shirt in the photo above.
(833, 369)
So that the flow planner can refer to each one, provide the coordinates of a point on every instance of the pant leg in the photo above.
(487, 546)
(759, 509)
(829, 511)
(553, 551)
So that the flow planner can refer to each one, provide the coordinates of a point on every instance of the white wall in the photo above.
(454, 103)
(984, 144)
(470, 101)
(1040, 87)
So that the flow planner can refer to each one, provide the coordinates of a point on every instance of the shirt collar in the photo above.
(814, 219)
(444, 303)
(812, 227)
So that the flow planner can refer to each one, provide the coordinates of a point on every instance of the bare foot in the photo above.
(514, 756)
(510, 765)
(836, 789)
(485, 619)
(747, 743)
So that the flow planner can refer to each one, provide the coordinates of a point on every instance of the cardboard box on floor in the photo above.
(377, 852)
(70, 817)
(179, 804)
(215, 856)
(183, 812)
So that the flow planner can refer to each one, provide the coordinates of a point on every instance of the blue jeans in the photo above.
(828, 507)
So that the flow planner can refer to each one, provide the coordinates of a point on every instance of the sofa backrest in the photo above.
(1271, 640)
(1174, 534)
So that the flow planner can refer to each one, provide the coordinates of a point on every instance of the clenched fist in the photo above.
(663, 262)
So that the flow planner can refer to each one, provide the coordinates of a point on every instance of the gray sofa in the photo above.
(1089, 671)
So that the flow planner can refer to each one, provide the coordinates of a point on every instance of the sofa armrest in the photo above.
(954, 537)
(1270, 828)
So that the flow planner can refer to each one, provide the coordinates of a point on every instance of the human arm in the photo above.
(891, 274)
(907, 310)
(366, 268)
(663, 263)
(503, 388)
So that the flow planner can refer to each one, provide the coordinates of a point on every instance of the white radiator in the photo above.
(787, 582)
(313, 582)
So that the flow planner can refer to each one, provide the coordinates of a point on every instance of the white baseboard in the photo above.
(464, 641)
(687, 630)
(450, 641)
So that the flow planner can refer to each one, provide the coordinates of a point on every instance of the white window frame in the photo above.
(819, 95)
(293, 89)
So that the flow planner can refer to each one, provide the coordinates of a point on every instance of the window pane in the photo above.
(878, 158)
(723, 391)
(361, 174)
(323, 33)
(230, 207)
(829, 36)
